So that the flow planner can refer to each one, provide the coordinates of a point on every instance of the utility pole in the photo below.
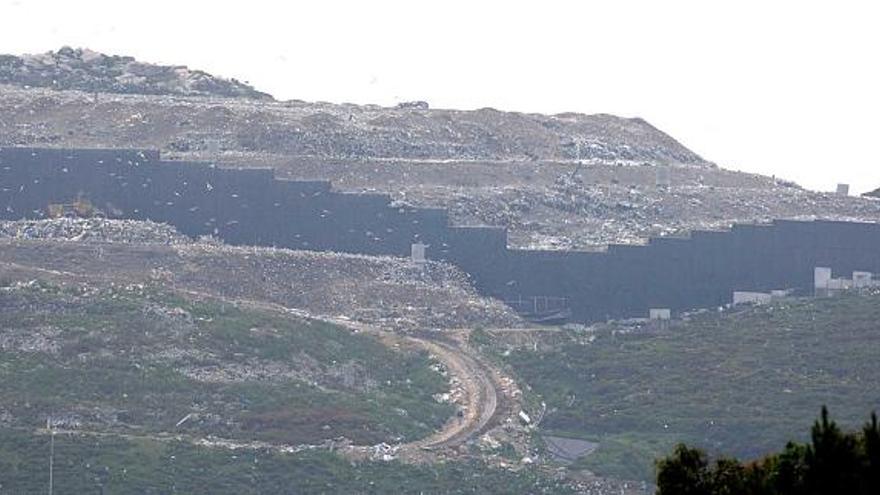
(580, 162)
(51, 454)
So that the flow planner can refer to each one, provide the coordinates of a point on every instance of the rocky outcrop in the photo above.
(86, 70)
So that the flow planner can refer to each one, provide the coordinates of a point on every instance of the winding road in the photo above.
(477, 380)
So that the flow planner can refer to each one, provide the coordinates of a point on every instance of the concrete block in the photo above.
(862, 279)
(746, 297)
(839, 284)
(418, 252)
(659, 314)
(821, 277)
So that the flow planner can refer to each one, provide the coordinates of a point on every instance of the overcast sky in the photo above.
(786, 88)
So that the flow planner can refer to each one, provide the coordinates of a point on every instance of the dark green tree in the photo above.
(871, 465)
(757, 480)
(787, 470)
(833, 463)
(728, 477)
(832, 459)
(684, 473)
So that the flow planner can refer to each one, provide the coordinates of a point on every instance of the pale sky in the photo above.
(786, 88)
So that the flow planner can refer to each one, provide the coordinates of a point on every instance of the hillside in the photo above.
(347, 131)
(93, 72)
(737, 383)
(137, 341)
(195, 358)
(252, 121)
(486, 166)
(170, 364)
(148, 392)
(128, 359)
(565, 181)
(134, 466)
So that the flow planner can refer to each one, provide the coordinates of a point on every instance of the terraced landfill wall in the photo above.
(252, 207)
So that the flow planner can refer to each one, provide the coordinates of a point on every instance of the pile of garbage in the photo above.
(566, 181)
(555, 205)
(589, 216)
(595, 485)
(92, 230)
(381, 290)
(392, 292)
(150, 114)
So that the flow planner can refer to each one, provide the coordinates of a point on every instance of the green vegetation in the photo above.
(135, 359)
(730, 383)
(833, 462)
(124, 466)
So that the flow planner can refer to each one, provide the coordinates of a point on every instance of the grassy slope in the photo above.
(120, 466)
(111, 370)
(743, 383)
(105, 339)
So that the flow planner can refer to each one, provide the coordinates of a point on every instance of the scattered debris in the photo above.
(380, 290)
(383, 452)
(44, 113)
(184, 420)
(93, 230)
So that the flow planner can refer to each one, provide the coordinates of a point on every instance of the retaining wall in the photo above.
(251, 206)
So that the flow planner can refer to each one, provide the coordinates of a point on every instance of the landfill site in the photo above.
(386, 291)
(468, 214)
(566, 181)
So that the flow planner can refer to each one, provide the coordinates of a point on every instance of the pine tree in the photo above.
(834, 463)
(683, 473)
(871, 465)
(728, 478)
(787, 471)
(831, 459)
